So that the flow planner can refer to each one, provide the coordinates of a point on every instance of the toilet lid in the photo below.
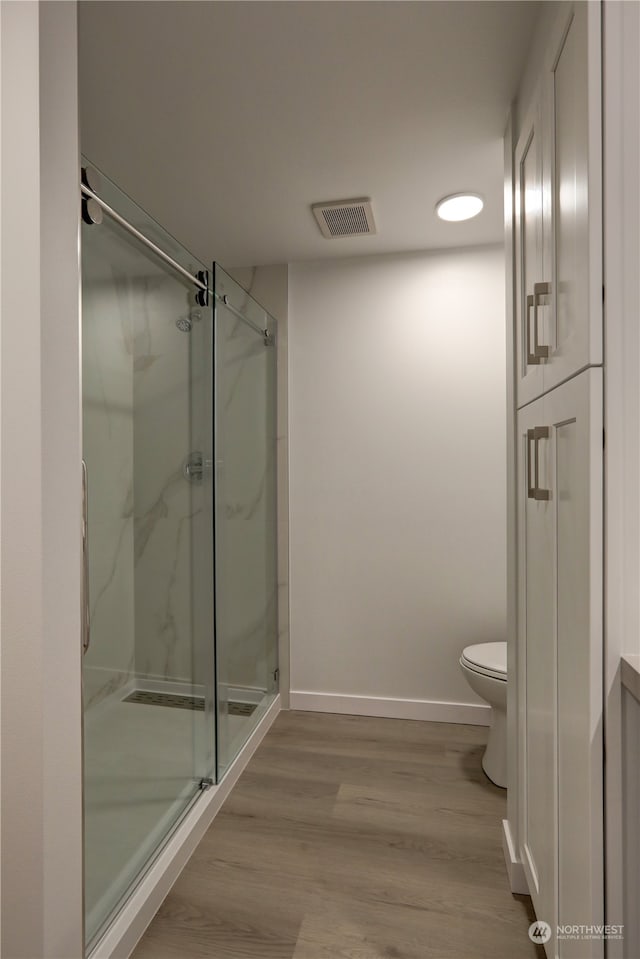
(487, 658)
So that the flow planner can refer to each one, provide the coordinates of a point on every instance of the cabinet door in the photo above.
(574, 414)
(529, 254)
(536, 660)
(572, 106)
(558, 211)
(560, 657)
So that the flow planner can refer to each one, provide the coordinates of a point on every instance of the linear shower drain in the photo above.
(176, 701)
(166, 699)
(241, 709)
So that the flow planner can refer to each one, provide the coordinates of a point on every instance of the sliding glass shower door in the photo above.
(179, 465)
(245, 526)
(148, 672)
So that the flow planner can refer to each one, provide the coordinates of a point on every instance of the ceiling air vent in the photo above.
(345, 217)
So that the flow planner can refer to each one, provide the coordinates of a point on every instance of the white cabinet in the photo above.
(557, 317)
(558, 223)
(536, 660)
(559, 475)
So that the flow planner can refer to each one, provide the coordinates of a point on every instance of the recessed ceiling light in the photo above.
(460, 206)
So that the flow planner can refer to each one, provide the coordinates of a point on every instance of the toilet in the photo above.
(485, 669)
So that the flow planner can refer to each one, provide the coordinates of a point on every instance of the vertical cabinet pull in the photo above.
(86, 610)
(533, 489)
(532, 359)
(533, 302)
(540, 433)
(539, 289)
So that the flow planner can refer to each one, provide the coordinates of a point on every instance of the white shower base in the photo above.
(139, 780)
(132, 919)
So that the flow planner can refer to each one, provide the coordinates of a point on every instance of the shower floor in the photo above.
(140, 777)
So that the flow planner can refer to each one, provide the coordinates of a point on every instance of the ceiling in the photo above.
(226, 120)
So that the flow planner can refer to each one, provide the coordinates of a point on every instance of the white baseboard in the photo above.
(424, 709)
(125, 931)
(515, 869)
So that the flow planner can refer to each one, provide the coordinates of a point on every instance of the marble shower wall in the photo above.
(143, 415)
(269, 286)
(245, 469)
(109, 306)
(172, 516)
(141, 419)
(168, 423)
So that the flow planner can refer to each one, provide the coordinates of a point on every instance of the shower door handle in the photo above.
(85, 608)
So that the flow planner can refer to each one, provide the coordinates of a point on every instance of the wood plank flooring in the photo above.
(351, 838)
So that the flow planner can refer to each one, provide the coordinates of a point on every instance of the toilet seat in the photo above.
(488, 659)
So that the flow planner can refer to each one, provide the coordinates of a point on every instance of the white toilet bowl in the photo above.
(485, 669)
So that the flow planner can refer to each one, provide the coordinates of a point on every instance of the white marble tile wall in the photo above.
(108, 310)
(143, 378)
(141, 420)
(167, 427)
(269, 286)
(246, 592)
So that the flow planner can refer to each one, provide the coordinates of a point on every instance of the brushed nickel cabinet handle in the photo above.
(539, 289)
(533, 302)
(532, 359)
(86, 609)
(531, 490)
(539, 433)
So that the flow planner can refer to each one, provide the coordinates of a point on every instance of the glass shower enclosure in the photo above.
(245, 515)
(180, 644)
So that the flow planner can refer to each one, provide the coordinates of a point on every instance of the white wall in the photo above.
(397, 452)
(41, 747)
